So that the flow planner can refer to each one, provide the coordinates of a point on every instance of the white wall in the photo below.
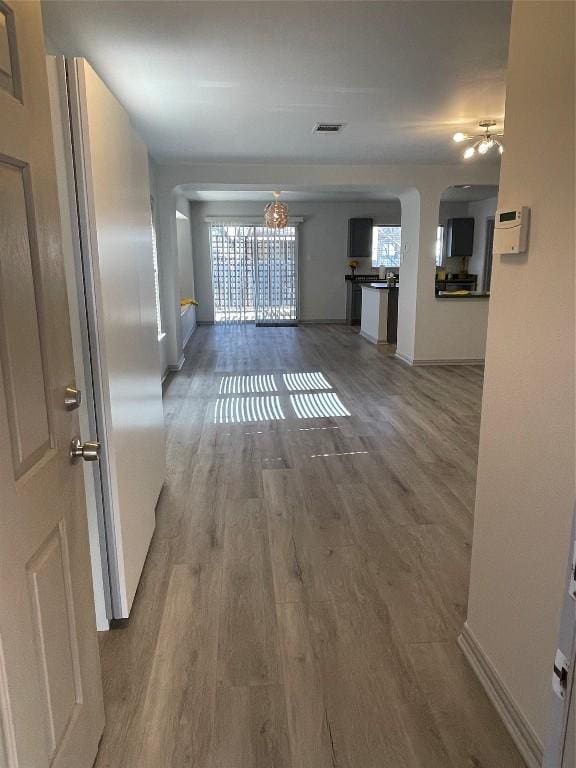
(392, 179)
(169, 271)
(452, 209)
(163, 340)
(186, 283)
(176, 273)
(432, 330)
(526, 470)
(323, 251)
(184, 244)
(188, 323)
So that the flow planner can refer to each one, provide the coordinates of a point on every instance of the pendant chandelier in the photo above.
(482, 143)
(276, 213)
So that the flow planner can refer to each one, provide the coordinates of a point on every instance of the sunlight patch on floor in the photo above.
(236, 410)
(318, 405)
(308, 403)
(246, 384)
(341, 453)
(303, 381)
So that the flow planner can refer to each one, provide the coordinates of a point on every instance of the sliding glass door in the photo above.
(254, 274)
(232, 248)
(276, 275)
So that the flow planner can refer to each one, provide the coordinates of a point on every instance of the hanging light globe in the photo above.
(276, 213)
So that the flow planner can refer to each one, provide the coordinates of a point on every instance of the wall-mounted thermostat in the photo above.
(511, 230)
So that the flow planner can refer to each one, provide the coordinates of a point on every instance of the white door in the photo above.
(570, 740)
(560, 748)
(114, 197)
(51, 711)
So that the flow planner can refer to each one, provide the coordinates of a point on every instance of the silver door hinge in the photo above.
(560, 676)
(72, 398)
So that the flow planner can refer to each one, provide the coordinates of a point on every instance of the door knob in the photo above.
(89, 451)
(72, 398)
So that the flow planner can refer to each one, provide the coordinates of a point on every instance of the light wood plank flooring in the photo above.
(307, 580)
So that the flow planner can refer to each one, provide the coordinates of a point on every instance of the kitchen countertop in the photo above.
(471, 295)
(379, 286)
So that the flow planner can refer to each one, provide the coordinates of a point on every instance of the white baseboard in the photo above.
(442, 361)
(448, 361)
(372, 339)
(337, 321)
(178, 365)
(518, 727)
(322, 322)
(404, 358)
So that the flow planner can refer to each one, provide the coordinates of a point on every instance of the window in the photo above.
(386, 246)
(156, 275)
(439, 245)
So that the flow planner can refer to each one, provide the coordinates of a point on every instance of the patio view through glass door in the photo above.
(254, 274)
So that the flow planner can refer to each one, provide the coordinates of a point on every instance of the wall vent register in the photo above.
(328, 128)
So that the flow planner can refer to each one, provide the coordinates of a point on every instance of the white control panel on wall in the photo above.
(511, 230)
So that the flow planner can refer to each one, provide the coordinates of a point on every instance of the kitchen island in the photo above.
(379, 313)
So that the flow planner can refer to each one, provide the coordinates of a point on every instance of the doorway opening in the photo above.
(254, 274)
(488, 253)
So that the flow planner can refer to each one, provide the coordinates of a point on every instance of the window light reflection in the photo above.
(342, 453)
(236, 410)
(266, 431)
(301, 381)
(318, 405)
(245, 384)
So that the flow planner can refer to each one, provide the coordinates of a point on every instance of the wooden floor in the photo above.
(308, 577)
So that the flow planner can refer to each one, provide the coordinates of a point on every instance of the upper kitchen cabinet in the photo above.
(460, 238)
(360, 238)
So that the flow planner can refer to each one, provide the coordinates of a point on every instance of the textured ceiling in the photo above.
(247, 81)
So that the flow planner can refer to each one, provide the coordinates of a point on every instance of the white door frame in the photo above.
(560, 709)
(83, 315)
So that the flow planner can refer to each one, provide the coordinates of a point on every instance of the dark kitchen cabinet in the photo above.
(360, 238)
(354, 302)
(460, 238)
(392, 320)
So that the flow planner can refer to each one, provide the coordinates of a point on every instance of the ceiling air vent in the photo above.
(328, 128)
